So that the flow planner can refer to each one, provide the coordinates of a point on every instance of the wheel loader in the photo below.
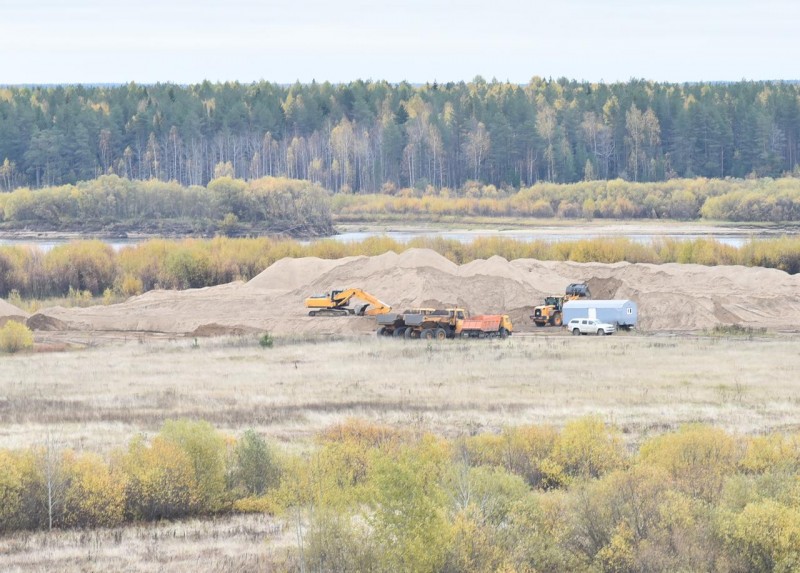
(550, 313)
(335, 303)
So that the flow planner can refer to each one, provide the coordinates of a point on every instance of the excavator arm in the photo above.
(378, 307)
(335, 303)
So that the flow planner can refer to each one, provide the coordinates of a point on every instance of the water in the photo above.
(48, 244)
(464, 236)
(734, 240)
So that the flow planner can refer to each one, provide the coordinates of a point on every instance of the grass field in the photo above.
(97, 398)
(245, 543)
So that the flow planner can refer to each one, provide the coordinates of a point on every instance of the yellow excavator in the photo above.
(335, 303)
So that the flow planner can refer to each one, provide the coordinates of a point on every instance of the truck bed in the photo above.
(483, 322)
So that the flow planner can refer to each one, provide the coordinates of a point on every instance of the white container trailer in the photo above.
(622, 313)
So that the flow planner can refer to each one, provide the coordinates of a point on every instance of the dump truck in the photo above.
(550, 313)
(335, 303)
(487, 326)
(442, 324)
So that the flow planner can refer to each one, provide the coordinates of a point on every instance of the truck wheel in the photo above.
(600, 332)
(426, 334)
(399, 332)
(539, 324)
(576, 332)
(557, 319)
(503, 332)
(440, 334)
(381, 331)
(408, 334)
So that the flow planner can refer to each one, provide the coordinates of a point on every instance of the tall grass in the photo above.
(93, 267)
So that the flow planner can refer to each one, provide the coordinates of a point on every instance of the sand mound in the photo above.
(670, 297)
(10, 312)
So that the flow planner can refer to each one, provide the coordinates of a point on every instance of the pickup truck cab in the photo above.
(578, 326)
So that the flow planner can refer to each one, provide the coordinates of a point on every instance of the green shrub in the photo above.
(266, 340)
(256, 469)
(15, 336)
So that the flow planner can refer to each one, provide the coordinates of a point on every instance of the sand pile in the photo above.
(10, 312)
(670, 297)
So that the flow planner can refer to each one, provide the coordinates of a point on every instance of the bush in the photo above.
(585, 448)
(765, 535)
(11, 489)
(94, 496)
(257, 504)
(161, 480)
(697, 457)
(15, 336)
(266, 340)
(256, 469)
(206, 449)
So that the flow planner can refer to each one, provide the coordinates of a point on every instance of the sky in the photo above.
(178, 41)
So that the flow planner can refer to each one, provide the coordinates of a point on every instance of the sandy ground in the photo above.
(670, 297)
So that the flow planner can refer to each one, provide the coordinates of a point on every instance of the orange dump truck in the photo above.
(486, 326)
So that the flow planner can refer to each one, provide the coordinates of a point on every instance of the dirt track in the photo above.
(671, 297)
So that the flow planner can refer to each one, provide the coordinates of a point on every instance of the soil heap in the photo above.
(671, 297)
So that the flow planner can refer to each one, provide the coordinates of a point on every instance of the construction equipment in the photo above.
(550, 313)
(442, 324)
(487, 326)
(335, 303)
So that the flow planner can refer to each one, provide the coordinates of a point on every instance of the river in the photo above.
(732, 237)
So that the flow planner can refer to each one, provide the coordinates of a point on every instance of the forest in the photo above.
(375, 498)
(373, 136)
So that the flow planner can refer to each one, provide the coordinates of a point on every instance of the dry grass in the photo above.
(98, 398)
(239, 543)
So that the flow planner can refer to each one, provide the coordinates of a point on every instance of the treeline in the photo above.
(753, 200)
(278, 205)
(94, 268)
(299, 208)
(367, 136)
(374, 498)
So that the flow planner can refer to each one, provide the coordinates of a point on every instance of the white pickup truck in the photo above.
(578, 326)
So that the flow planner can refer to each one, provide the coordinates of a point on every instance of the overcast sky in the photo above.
(107, 41)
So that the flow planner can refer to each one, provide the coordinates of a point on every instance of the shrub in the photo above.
(161, 480)
(697, 457)
(409, 519)
(257, 504)
(15, 336)
(206, 449)
(771, 453)
(256, 469)
(528, 448)
(586, 448)
(766, 535)
(11, 489)
(94, 496)
(266, 340)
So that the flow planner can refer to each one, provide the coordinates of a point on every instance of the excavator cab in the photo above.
(335, 304)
